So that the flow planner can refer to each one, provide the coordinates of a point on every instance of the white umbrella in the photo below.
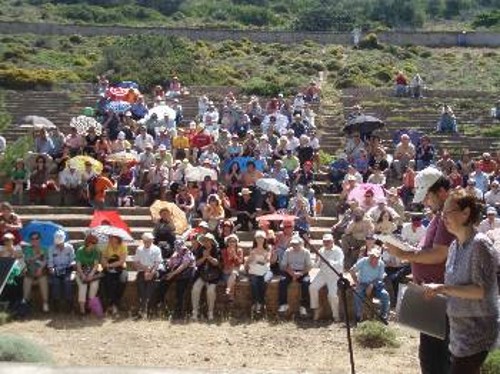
(198, 173)
(160, 111)
(272, 185)
(103, 233)
(83, 123)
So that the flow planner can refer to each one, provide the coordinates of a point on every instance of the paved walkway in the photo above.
(38, 369)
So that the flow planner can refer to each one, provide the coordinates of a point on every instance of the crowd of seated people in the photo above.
(212, 166)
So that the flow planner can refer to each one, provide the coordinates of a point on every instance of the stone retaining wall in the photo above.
(424, 38)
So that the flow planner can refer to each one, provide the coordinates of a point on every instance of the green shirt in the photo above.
(34, 261)
(87, 258)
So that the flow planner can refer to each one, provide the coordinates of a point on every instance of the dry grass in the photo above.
(257, 345)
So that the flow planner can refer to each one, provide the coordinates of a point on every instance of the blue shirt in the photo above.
(367, 273)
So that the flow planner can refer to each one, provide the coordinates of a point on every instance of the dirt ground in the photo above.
(301, 346)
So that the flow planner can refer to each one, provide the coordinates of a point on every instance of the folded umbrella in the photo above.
(46, 229)
(177, 215)
(272, 185)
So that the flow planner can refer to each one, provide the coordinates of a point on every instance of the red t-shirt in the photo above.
(436, 234)
(201, 140)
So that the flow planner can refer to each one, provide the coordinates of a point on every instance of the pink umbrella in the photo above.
(276, 217)
(358, 193)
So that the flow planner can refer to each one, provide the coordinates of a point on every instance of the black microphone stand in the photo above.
(344, 284)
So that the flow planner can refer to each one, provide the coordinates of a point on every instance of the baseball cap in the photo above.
(203, 225)
(491, 210)
(327, 237)
(147, 236)
(59, 237)
(375, 252)
(296, 240)
(424, 180)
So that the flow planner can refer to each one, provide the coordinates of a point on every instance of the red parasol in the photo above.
(110, 218)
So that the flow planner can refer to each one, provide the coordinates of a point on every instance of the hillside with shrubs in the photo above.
(312, 15)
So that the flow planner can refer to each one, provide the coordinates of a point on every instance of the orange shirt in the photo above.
(101, 185)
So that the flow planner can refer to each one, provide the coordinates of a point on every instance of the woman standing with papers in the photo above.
(470, 284)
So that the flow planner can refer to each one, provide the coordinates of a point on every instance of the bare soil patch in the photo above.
(299, 346)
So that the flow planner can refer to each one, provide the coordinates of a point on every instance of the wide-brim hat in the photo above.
(245, 191)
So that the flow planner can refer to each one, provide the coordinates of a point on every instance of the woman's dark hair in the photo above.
(120, 240)
(442, 182)
(40, 158)
(381, 216)
(465, 200)
(237, 164)
(265, 245)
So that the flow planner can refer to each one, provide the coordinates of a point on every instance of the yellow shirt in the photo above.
(180, 142)
(110, 252)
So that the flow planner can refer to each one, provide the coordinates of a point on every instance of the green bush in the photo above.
(28, 79)
(19, 349)
(261, 87)
(492, 363)
(16, 150)
(372, 334)
(325, 158)
(370, 41)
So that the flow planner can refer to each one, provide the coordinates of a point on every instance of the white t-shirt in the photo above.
(148, 257)
(410, 236)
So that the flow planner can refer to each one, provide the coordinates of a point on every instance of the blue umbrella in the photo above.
(118, 106)
(46, 229)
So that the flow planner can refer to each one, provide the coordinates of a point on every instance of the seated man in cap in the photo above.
(492, 197)
(147, 261)
(368, 276)
(491, 222)
(295, 266)
(146, 162)
(70, 183)
(354, 236)
(60, 264)
(327, 276)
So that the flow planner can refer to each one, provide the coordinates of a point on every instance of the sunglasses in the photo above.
(35, 238)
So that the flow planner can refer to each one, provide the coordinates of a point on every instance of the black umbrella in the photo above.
(363, 124)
